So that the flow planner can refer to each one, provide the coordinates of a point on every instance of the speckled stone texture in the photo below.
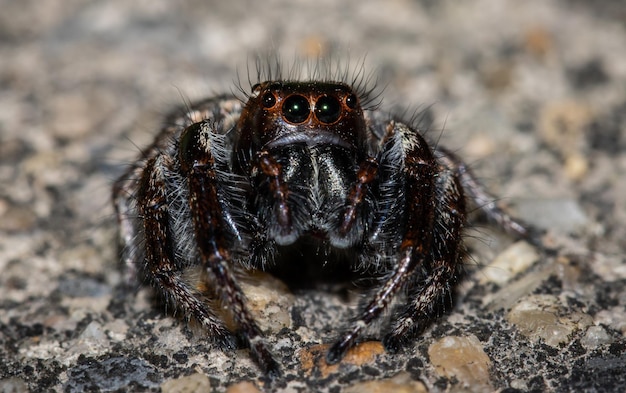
(532, 94)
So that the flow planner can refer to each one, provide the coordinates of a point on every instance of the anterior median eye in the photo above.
(327, 109)
(296, 109)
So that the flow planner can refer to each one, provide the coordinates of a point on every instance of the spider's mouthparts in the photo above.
(310, 138)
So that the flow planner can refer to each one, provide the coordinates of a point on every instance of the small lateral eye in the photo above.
(328, 109)
(296, 109)
(351, 101)
(268, 100)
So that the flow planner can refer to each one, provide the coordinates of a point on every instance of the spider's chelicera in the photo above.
(227, 186)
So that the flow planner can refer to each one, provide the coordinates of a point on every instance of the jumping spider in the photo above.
(227, 185)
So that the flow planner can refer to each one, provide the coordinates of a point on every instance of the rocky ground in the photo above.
(532, 94)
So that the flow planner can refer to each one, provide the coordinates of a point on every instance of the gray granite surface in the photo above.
(531, 93)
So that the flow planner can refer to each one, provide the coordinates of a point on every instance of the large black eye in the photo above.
(268, 100)
(296, 109)
(327, 109)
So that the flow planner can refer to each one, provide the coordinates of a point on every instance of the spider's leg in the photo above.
(428, 293)
(418, 165)
(487, 202)
(198, 164)
(125, 203)
(160, 265)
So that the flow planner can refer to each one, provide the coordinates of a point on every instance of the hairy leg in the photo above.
(487, 202)
(161, 268)
(429, 294)
(418, 165)
(198, 165)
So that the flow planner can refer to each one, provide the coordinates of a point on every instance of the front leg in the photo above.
(198, 164)
(417, 163)
(161, 268)
(427, 294)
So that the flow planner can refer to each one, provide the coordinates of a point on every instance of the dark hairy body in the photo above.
(227, 185)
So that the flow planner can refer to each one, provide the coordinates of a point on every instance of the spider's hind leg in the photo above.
(486, 202)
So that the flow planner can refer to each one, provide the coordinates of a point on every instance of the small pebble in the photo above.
(594, 337)
(190, 384)
(576, 166)
(538, 41)
(400, 383)
(537, 317)
(510, 293)
(515, 259)
(13, 385)
(313, 358)
(243, 387)
(562, 125)
(270, 300)
(462, 358)
(559, 214)
(614, 317)
(16, 218)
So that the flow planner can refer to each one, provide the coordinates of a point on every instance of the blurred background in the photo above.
(532, 94)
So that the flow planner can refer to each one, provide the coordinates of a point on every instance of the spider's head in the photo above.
(282, 114)
(300, 144)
